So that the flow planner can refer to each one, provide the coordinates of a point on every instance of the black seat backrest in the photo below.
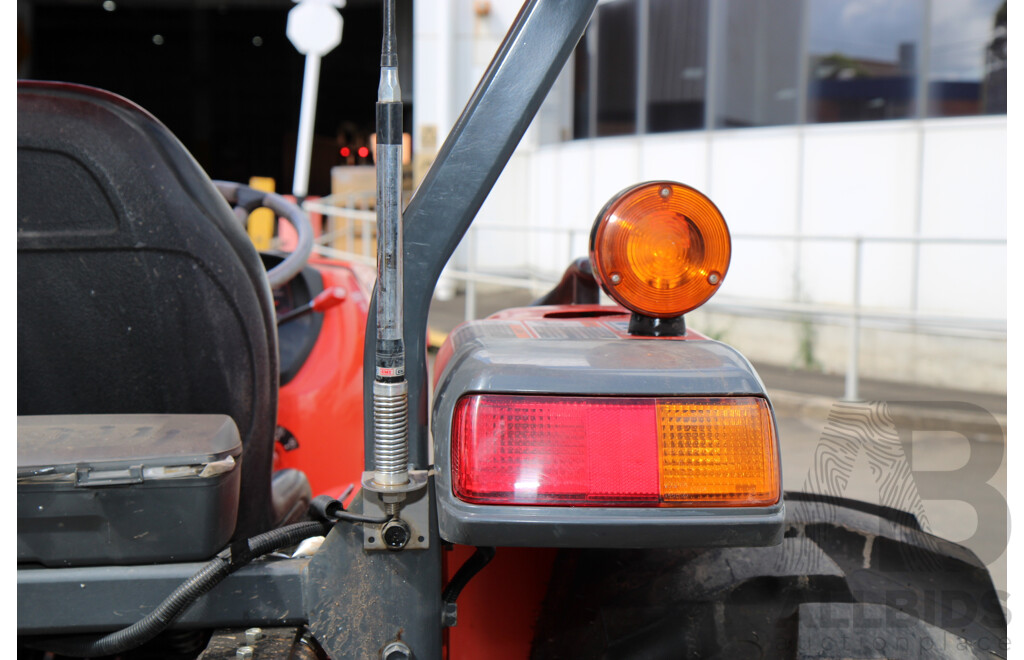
(138, 290)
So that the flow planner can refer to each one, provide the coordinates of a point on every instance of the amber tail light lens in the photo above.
(603, 451)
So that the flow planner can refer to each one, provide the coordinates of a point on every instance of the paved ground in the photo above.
(952, 441)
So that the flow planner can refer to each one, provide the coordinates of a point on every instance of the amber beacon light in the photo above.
(660, 248)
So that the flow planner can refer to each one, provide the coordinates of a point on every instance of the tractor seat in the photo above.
(138, 290)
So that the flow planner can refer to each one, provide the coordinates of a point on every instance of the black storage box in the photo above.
(126, 489)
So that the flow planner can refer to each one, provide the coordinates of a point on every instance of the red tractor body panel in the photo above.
(323, 405)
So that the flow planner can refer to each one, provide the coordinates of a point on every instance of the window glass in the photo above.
(862, 60)
(676, 64)
(758, 57)
(616, 67)
(967, 67)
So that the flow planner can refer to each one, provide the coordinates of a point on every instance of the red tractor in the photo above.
(596, 480)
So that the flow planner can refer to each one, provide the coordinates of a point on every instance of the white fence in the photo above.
(851, 312)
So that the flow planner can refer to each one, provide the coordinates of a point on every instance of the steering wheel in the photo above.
(245, 200)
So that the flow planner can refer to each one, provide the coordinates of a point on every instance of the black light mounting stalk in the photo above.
(391, 478)
(652, 326)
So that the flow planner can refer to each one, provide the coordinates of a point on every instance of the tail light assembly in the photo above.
(611, 426)
(578, 440)
(613, 451)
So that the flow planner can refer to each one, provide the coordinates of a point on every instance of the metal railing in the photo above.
(355, 210)
(339, 243)
(855, 314)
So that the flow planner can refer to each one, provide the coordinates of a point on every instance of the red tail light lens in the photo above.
(597, 451)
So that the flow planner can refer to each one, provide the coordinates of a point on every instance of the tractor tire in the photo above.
(849, 580)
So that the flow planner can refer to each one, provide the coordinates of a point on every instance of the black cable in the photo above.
(388, 56)
(209, 576)
(325, 507)
(355, 518)
(213, 573)
(467, 572)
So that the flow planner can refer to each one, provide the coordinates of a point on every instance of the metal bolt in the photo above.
(244, 653)
(253, 635)
(665, 192)
(396, 650)
(713, 278)
(392, 503)
(616, 278)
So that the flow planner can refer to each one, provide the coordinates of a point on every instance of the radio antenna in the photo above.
(390, 389)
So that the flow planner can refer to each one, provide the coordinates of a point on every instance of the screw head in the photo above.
(714, 278)
(616, 278)
(253, 635)
(665, 192)
(244, 653)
